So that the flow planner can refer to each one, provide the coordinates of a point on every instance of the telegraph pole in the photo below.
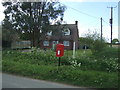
(101, 28)
(111, 21)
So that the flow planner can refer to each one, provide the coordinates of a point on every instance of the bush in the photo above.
(97, 46)
(108, 52)
(64, 74)
(96, 63)
(83, 70)
(93, 40)
(88, 63)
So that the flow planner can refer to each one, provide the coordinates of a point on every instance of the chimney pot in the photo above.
(76, 22)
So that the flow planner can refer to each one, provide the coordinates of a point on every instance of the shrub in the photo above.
(83, 71)
(108, 52)
(97, 46)
(96, 64)
(64, 74)
(93, 41)
(48, 58)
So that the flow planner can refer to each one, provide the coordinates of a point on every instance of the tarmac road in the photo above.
(12, 81)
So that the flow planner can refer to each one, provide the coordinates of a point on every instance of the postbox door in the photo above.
(60, 50)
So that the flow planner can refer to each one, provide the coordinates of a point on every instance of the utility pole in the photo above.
(111, 22)
(101, 28)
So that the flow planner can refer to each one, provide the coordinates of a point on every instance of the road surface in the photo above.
(12, 81)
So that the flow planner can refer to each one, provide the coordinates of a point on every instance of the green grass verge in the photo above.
(64, 74)
(43, 65)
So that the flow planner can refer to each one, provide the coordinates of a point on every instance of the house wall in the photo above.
(73, 37)
(45, 47)
(70, 47)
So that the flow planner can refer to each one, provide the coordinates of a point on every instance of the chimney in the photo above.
(76, 22)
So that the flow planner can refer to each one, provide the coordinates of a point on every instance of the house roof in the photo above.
(58, 32)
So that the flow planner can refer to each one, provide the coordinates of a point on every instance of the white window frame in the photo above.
(66, 43)
(45, 43)
(49, 33)
(66, 31)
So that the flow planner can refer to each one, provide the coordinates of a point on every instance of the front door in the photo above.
(54, 44)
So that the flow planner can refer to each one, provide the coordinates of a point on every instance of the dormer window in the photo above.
(49, 33)
(66, 31)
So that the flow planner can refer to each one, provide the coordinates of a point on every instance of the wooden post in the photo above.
(59, 62)
(74, 49)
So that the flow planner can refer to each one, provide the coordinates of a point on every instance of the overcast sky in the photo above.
(88, 15)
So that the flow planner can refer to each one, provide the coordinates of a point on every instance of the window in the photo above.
(66, 31)
(54, 44)
(49, 33)
(46, 43)
(66, 43)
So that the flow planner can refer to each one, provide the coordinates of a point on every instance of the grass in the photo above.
(84, 70)
(78, 53)
(63, 74)
(108, 53)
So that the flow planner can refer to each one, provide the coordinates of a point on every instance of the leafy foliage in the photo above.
(114, 41)
(9, 35)
(0, 32)
(108, 52)
(91, 71)
(32, 18)
(93, 40)
(105, 61)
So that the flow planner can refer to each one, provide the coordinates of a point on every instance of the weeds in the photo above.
(85, 70)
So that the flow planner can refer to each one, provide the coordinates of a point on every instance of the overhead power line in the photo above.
(87, 14)
(105, 22)
(82, 12)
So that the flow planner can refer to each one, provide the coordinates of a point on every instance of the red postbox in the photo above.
(59, 50)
